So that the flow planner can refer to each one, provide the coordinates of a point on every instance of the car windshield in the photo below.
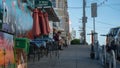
(113, 31)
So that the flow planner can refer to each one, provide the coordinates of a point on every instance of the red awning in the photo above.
(36, 27)
(47, 22)
(42, 23)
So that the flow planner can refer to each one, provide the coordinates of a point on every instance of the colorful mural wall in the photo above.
(17, 18)
(6, 49)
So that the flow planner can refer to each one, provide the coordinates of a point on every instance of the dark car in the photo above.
(113, 40)
(117, 43)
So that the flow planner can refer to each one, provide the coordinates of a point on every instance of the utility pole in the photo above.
(94, 40)
(84, 21)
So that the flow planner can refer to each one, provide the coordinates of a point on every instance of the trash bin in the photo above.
(21, 50)
(22, 43)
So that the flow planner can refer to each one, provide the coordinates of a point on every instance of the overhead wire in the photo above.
(113, 8)
(108, 5)
(105, 23)
(101, 4)
(89, 27)
(100, 27)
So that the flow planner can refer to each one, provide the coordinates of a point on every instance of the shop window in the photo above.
(60, 4)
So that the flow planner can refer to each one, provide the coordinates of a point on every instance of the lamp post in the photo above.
(84, 21)
(93, 33)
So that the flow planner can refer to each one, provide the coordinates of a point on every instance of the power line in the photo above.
(102, 3)
(105, 23)
(114, 4)
(107, 5)
(113, 8)
(89, 27)
(78, 7)
(98, 26)
(101, 22)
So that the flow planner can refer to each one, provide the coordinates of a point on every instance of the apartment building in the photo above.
(61, 9)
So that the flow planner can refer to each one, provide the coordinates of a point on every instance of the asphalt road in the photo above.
(75, 56)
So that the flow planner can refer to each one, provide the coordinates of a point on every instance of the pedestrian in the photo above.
(57, 39)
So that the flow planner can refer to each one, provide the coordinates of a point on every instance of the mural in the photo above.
(6, 49)
(16, 16)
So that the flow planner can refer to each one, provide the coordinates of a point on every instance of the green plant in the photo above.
(75, 41)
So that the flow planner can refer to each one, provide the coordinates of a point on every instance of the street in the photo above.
(75, 56)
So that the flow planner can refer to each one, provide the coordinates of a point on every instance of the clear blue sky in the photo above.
(108, 16)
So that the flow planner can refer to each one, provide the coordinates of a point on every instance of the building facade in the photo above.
(61, 8)
(73, 34)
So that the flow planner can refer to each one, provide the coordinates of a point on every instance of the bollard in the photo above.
(92, 53)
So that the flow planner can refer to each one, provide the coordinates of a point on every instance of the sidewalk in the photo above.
(75, 56)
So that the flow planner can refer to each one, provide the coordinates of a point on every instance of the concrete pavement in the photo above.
(75, 56)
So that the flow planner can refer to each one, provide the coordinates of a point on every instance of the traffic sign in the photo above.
(94, 9)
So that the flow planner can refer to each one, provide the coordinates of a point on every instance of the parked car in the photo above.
(112, 33)
(113, 40)
(117, 43)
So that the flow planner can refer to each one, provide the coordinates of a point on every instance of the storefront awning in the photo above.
(52, 16)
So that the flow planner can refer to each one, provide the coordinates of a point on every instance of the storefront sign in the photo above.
(43, 3)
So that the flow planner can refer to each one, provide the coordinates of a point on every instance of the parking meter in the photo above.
(94, 45)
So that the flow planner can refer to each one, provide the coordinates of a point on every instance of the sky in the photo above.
(108, 16)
